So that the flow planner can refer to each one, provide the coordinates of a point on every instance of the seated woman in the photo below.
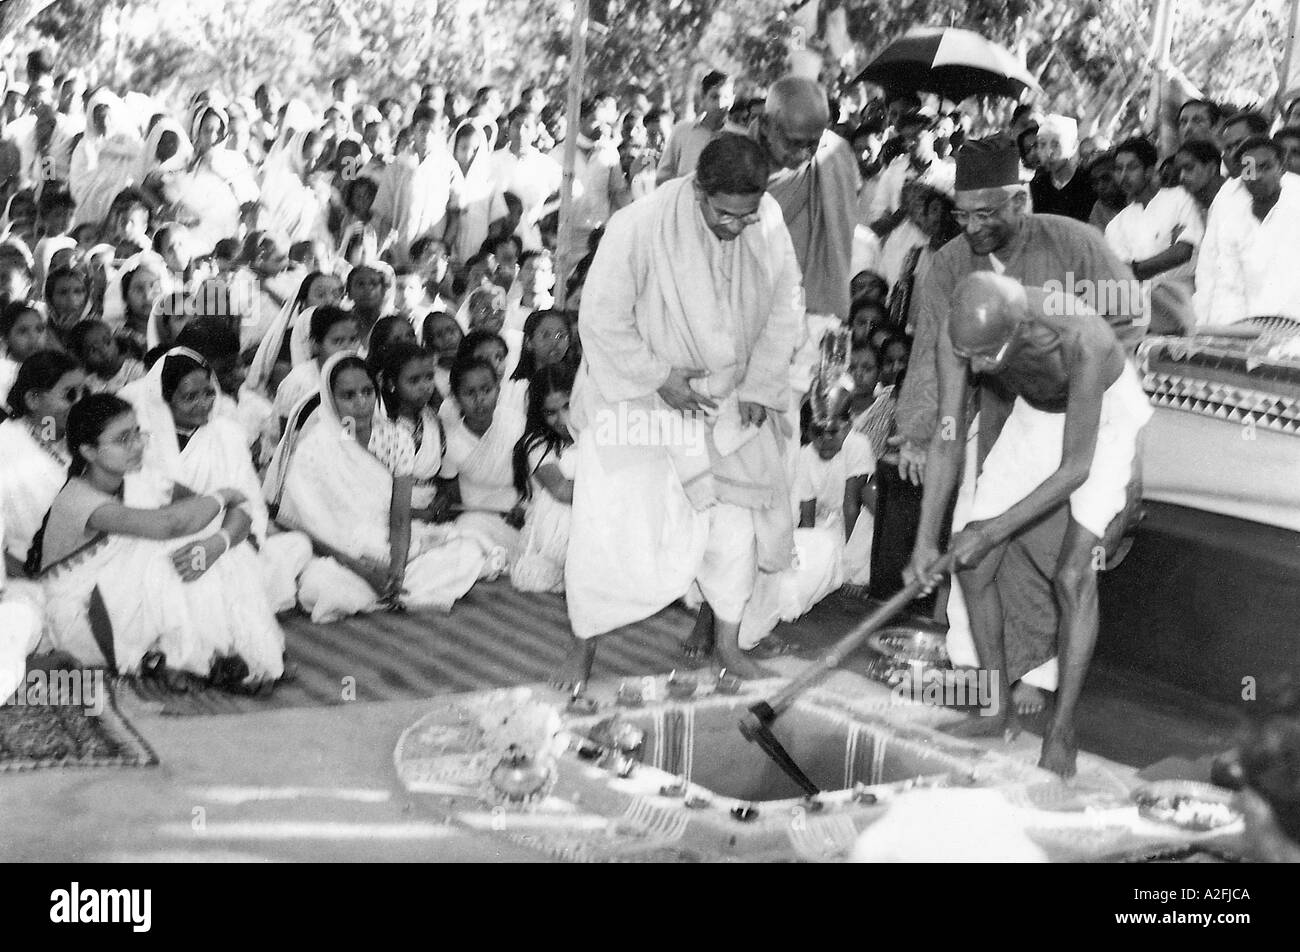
(333, 331)
(170, 314)
(189, 444)
(836, 519)
(203, 608)
(287, 342)
(22, 333)
(328, 482)
(875, 416)
(108, 367)
(545, 344)
(35, 457)
(441, 335)
(544, 464)
(407, 391)
(479, 460)
(370, 290)
(387, 331)
(67, 301)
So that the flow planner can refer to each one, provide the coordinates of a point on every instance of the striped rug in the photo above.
(494, 637)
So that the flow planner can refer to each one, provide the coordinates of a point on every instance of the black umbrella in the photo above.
(950, 62)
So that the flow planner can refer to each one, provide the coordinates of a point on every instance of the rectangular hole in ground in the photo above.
(835, 753)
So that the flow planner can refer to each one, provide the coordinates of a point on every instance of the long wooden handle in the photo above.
(854, 639)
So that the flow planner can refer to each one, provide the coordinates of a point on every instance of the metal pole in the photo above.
(572, 123)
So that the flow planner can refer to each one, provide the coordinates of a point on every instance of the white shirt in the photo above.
(1248, 268)
(534, 177)
(823, 480)
(1141, 231)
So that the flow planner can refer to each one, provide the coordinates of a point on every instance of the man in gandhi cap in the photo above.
(1002, 236)
(1070, 442)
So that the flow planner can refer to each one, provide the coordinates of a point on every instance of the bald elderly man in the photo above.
(1071, 440)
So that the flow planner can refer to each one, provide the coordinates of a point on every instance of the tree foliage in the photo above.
(1091, 55)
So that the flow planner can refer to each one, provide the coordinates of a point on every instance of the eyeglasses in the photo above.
(727, 218)
(996, 357)
(557, 336)
(136, 437)
(981, 216)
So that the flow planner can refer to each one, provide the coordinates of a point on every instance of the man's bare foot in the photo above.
(741, 665)
(1059, 753)
(700, 644)
(1005, 725)
(1028, 699)
(575, 669)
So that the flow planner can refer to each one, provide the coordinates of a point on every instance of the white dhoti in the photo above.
(1027, 452)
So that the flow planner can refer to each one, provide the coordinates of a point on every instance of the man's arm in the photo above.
(1180, 252)
(620, 362)
(917, 407)
(947, 446)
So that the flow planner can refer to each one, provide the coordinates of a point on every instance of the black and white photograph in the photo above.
(571, 432)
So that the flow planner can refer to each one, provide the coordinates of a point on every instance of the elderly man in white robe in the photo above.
(688, 322)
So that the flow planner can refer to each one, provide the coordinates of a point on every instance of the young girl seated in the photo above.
(67, 301)
(875, 417)
(441, 335)
(346, 482)
(481, 437)
(407, 393)
(545, 344)
(368, 288)
(191, 444)
(333, 331)
(110, 369)
(544, 465)
(387, 331)
(22, 333)
(202, 609)
(835, 505)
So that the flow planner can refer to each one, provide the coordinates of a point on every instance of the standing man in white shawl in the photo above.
(689, 319)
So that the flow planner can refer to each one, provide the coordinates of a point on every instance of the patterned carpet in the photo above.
(65, 735)
(494, 637)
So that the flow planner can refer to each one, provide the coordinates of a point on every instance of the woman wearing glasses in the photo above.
(150, 591)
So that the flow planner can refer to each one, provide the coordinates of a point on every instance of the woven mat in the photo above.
(33, 737)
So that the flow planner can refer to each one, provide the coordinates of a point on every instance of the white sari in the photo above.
(484, 468)
(216, 457)
(336, 491)
(481, 201)
(291, 207)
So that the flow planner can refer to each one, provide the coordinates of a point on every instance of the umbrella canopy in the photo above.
(950, 62)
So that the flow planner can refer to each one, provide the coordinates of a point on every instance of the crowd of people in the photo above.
(271, 358)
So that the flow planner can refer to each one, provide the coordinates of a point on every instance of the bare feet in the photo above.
(700, 644)
(1028, 699)
(1004, 725)
(575, 669)
(1059, 753)
(738, 663)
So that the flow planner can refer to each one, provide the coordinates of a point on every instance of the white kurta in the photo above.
(663, 292)
(1247, 266)
(1141, 231)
